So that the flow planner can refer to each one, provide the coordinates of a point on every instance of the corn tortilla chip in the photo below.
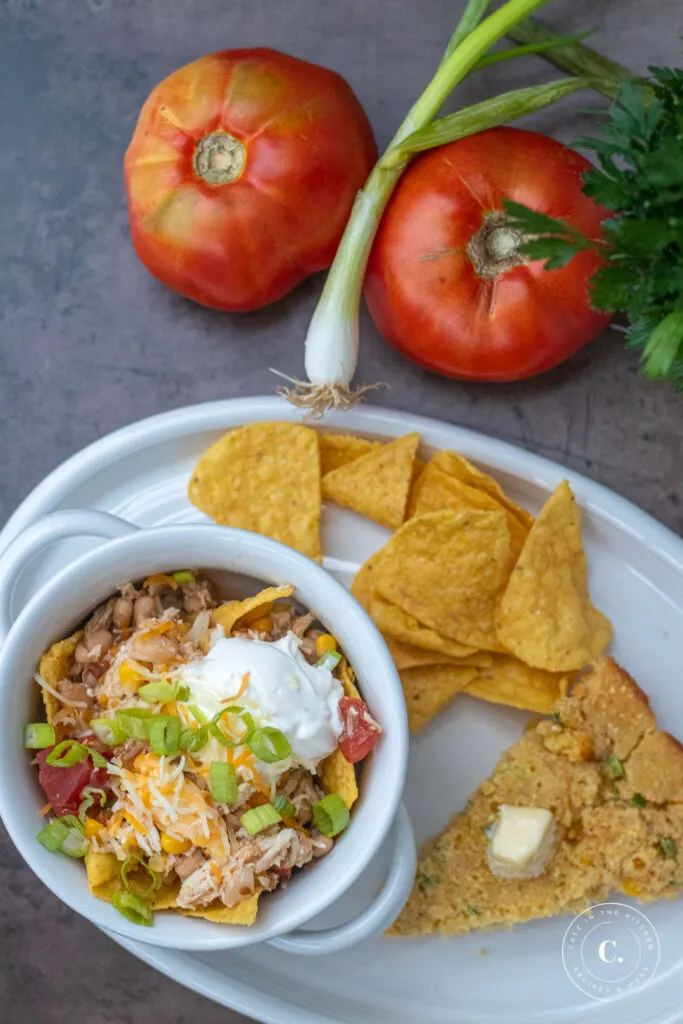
(546, 617)
(511, 682)
(449, 570)
(337, 775)
(376, 485)
(104, 879)
(54, 666)
(462, 469)
(393, 621)
(339, 449)
(363, 586)
(437, 490)
(251, 609)
(243, 914)
(409, 656)
(429, 688)
(264, 477)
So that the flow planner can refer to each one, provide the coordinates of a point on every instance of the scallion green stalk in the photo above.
(332, 339)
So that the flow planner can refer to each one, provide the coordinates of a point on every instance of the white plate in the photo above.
(636, 569)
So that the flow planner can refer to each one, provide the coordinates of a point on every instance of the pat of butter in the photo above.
(522, 841)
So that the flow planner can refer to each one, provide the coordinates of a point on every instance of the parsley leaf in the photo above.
(640, 177)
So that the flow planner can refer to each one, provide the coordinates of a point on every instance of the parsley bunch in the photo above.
(639, 177)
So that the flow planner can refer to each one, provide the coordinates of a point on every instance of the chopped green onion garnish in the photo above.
(88, 793)
(108, 731)
(223, 782)
(331, 815)
(132, 863)
(67, 753)
(53, 835)
(284, 806)
(219, 735)
(329, 660)
(198, 714)
(614, 766)
(269, 744)
(193, 740)
(65, 835)
(639, 800)
(259, 818)
(164, 734)
(98, 759)
(163, 692)
(133, 723)
(39, 735)
(132, 907)
(183, 576)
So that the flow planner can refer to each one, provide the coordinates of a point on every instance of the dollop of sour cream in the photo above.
(284, 690)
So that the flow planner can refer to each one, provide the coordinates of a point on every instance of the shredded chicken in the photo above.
(186, 864)
(197, 596)
(201, 887)
(300, 788)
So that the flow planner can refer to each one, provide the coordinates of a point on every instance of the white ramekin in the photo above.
(129, 553)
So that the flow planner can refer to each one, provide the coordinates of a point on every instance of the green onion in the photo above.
(219, 735)
(128, 865)
(133, 723)
(164, 734)
(331, 815)
(614, 766)
(223, 782)
(259, 818)
(163, 692)
(88, 793)
(639, 800)
(108, 731)
(132, 907)
(39, 735)
(183, 576)
(332, 340)
(284, 806)
(64, 835)
(198, 714)
(67, 753)
(53, 835)
(193, 740)
(269, 744)
(98, 759)
(330, 660)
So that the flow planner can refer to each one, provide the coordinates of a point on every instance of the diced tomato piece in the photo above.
(63, 786)
(359, 732)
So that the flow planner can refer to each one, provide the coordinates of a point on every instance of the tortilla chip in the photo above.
(264, 477)
(339, 449)
(511, 682)
(376, 485)
(546, 617)
(338, 776)
(251, 609)
(462, 469)
(435, 490)
(430, 688)
(101, 868)
(393, 621)
(409, 656)
(54, 666)
(449, 570)
(363, 586)
(244, 913)
(347, 678)
(165, 898)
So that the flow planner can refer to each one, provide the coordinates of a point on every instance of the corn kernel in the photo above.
(325, 643)
(128, 675)
(630, 887)
(92, 828)
(172, 845)
(263, 625)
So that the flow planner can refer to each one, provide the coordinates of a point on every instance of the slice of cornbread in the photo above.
(614, 783)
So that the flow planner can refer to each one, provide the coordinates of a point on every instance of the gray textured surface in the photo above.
(91, 342)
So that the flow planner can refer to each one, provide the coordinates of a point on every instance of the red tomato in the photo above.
(359, 732)
(241, 175)
(506, 318)
(63, 786)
